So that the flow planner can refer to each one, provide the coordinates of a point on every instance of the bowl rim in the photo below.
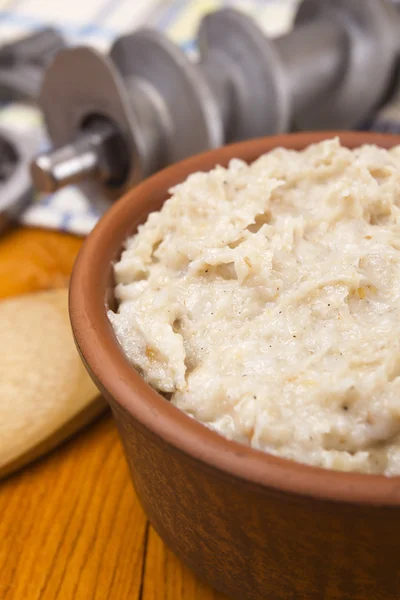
(110, 369)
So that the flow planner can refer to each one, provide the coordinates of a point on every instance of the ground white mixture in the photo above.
(264, 301)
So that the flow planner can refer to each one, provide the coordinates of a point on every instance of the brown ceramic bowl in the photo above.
(254, 526)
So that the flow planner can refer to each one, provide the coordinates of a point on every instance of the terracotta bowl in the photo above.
(252, 525)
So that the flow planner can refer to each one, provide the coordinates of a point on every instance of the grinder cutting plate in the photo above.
(16, 152)
(22, 66)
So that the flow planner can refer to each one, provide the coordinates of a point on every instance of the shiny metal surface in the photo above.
(244, 85)
(369, 54)
(16, 192)
(99, 152)
(23, 63)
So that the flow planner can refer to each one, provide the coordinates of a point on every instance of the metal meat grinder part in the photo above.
(23, 63)
(22, 66)
(16, 192)
(331, 71)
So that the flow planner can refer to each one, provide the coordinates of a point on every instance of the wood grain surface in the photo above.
(71, 527)
(33, 260)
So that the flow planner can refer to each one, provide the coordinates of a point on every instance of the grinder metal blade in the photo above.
(16, 193)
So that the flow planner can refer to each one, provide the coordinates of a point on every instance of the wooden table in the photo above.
(72, 528)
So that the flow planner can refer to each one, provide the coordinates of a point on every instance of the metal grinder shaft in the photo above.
(114, 120)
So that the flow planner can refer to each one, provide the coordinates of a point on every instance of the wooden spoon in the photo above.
(45, 393)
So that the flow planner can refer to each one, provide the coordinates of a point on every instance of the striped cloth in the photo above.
(98, 23)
